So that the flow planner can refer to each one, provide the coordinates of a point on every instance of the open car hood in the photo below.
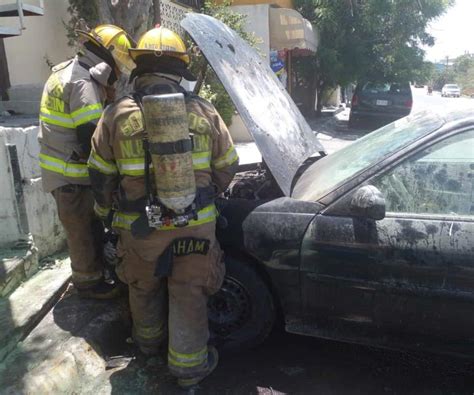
(282, 135)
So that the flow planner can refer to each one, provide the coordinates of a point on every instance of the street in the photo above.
(334, 133)
(434, 102)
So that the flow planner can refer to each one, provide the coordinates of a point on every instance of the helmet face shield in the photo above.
(119, 49)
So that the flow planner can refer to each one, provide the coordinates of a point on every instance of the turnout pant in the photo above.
(84, 232)
(198, 271)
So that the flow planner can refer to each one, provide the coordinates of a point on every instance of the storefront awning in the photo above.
(289, 30)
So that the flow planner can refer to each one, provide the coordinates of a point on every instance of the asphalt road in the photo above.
(334, 133)
(434, 102)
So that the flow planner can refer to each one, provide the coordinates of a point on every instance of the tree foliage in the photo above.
(464, 73)
(369, 39)
(212, 89)
(461, 71)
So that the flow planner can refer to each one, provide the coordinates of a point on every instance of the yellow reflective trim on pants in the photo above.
(227, 159)
(75, 170)
(148, 332)
(187, 360)
(205, 215)
(102, 212)
(201, 160)
(96, 162)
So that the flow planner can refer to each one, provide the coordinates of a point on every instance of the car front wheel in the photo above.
(242, 313)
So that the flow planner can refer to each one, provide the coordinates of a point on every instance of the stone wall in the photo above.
(42, 220)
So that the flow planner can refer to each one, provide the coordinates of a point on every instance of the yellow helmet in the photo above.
(113, 39)
(160, 41)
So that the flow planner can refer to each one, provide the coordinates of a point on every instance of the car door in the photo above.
(426, 280)
(410, 272)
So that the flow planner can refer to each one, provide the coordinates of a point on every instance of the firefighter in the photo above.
(72, 102)
(153, 153)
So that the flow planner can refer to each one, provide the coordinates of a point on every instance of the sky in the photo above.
(453, 32)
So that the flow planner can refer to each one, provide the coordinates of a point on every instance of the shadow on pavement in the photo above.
(285, 363)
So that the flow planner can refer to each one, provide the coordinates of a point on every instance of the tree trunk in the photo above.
(321, 87)
(135, 16)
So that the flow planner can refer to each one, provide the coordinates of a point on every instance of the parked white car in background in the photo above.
(451, 90)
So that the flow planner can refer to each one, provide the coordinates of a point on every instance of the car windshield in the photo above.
(334, 170)
(452, 87)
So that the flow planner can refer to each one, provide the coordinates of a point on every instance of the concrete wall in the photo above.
(239, 131)
(9, 228)
(43, 221)
(44, 38)
(257, 22)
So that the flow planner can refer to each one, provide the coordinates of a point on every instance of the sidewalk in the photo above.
(333, 132)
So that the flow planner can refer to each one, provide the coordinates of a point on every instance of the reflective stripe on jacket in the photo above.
(70, 99)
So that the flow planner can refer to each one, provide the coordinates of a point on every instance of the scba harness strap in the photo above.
(141, 228)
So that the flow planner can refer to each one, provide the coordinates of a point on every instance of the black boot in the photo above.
(102, 290)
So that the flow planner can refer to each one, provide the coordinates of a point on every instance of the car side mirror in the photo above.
(368, 202)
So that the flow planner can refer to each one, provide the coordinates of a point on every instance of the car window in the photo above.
(375, 88)
(440, 180)
(328, 173)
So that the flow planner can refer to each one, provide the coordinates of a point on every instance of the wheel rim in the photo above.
(229, 309)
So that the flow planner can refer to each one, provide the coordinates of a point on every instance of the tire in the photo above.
(242, 313)
(353, 122)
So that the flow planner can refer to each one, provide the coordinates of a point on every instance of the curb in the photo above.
(21, 311)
